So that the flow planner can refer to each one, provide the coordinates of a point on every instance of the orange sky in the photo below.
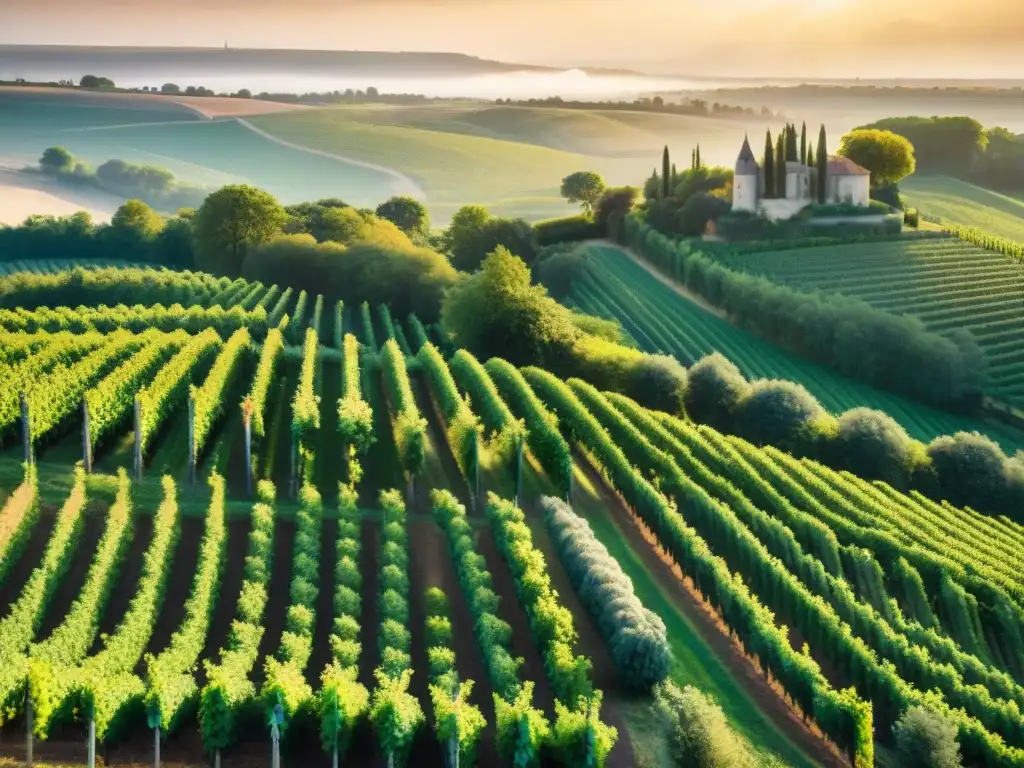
(866, 38)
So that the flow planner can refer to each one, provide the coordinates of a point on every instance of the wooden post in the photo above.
(26, 429)
(275, 758)
(138, 439)
(334, 758)
(191, 439)
(91, 743)
(216, 758)
(86, 440)
(29, 736)
(156, 747)
(247, 421)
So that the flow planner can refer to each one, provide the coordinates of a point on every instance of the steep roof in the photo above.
(843, 166)
(746, 165)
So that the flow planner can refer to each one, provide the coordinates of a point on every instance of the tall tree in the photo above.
(675, 175)
(813, 176)
(780, 167)
(769, 166)
(693, 159)
(699, 164)
(791, 147)
(231, 221)
(889, 156)
(666, 170)
(583, 187)
(822, 158)
(803, 143)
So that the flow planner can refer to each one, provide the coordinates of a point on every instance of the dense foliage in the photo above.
(635, 636)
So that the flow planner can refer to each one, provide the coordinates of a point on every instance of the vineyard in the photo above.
(660, 320)
(948, 283)
(258, 506)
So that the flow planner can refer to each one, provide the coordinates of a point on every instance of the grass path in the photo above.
(701, 659)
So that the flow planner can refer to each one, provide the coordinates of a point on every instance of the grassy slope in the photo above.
(694, 332)
(966, 204)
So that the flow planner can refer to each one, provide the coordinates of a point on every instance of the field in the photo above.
(116, 587)
(966, 204)
(661, 320)
(947, 283)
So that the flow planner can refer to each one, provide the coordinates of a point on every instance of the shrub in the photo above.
(714, 387)
(567, 229)
(558, 271)
(659, 382)
(925, 739)
(971, 469)
(698, 731)
(780, 413)
(635, 636)
(873, 445)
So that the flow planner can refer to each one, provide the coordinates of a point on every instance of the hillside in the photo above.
(947, 283)
(325, 586)
(966, 204)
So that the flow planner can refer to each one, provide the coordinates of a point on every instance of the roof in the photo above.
(844, 166)
(746, 165)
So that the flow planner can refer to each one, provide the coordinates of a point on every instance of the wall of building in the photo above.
(849, 189)
(744, 193)
(782, 209)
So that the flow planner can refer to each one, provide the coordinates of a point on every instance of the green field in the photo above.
(947, 283)
(660, 320)
(966, 204)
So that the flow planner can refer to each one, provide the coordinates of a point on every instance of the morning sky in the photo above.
(838, 38)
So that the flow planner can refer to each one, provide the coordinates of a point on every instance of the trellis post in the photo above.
(137, 456)
(26, 429)
(191, 439)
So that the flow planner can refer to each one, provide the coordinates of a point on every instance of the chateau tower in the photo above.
(745, 182)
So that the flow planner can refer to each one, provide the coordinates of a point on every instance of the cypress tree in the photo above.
(791, 143)
(699, 164)
(666, 170)
(780, 166)
(769, 166)
(803, 143)
(693, 159)
(822, 157)
(813, 176)
(675, 175)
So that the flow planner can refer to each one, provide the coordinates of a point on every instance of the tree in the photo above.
(409, 214)
(779, 413)
(700, 164)
(692, 219)
(791, 146)
(230, 222)
(57, 160)
(613, 206)
(138, 219)
(803, 143)
(769, 166)
(714, 387)
(952, 145)
(659, 382)
(170, 89)
(583, 187)
(780, 167)
(474, 233)
(665, 174)
(925, 739)
(698, 731)
(92, 81)
(873, 445)
(889, 156)
(821, 156)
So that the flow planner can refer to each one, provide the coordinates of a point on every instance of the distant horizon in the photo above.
(764, 80)
(929, 39)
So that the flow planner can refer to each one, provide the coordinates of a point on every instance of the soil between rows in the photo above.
(31, 556)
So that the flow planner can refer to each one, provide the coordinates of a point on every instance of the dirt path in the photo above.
(30, 558)
(127, 578)
(404, 186)
(277, 596)
(94, 523)
(664, 279)
(321, 652)
(710, 628)
(227, 595)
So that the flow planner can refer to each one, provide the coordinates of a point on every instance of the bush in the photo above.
(635, 636)
(567, 229)
(558, 271)
(925, 739)
(714, 387)
(971, 469)
(873, 445)
(659, 382)
(780, 413)
(698, 732)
